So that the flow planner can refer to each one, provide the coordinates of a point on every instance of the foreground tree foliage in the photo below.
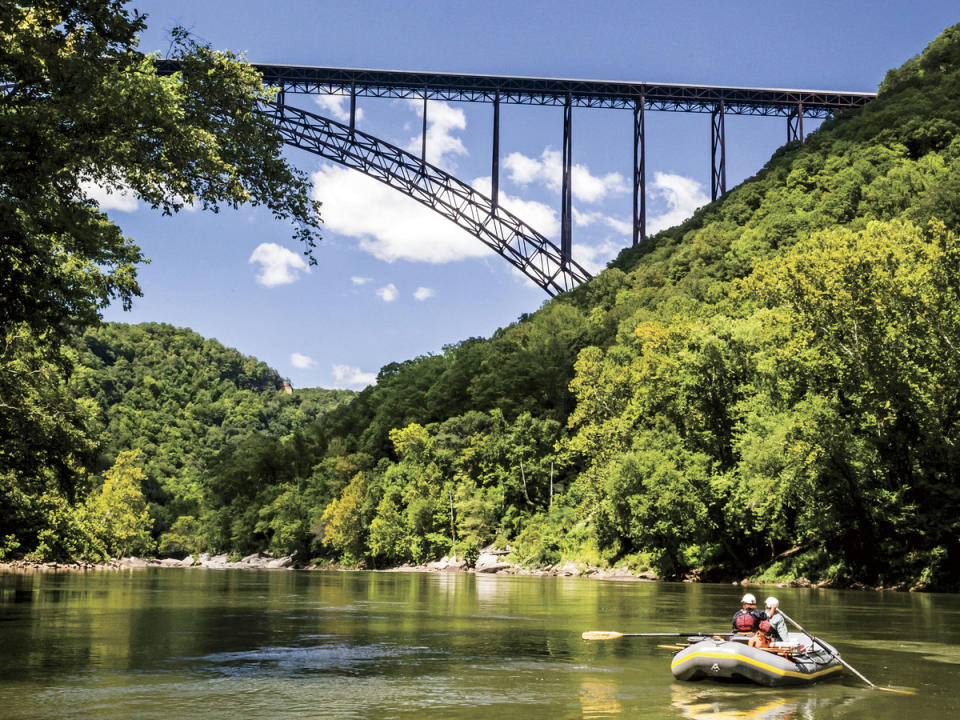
(80, 106)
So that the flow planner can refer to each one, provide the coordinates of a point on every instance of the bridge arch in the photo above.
(518, 243)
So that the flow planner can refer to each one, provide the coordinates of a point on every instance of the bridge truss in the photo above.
(552, 268)
(522, 246)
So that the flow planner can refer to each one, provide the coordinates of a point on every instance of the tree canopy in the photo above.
(769, 389)
(79, 105)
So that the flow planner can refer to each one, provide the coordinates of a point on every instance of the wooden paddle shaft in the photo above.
(833, 652)
(613, 634)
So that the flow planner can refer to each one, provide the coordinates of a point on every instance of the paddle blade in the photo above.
(601, 635)
(902, 692)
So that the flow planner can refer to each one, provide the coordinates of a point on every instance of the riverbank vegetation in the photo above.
(772, 387)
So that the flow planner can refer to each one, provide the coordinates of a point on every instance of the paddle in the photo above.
(612, 635)
(843, 662)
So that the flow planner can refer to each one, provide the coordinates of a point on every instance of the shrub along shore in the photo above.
(490, 564)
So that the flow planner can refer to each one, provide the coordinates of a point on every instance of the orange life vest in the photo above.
(761, 638)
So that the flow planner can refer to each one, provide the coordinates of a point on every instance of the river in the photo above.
(175, 643)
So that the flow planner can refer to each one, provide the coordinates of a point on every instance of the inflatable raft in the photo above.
(787, 663)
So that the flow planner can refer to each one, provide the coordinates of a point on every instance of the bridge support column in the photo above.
(639, 175)
(795, 124)
(718, 150)
(353, 108)
(566, 207)
(495, 169)
(423, 138)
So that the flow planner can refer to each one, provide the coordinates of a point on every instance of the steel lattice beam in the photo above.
(639, 175)
(718, 152)
(795, 125)
(671, 97)
(522, 246)
(554, 264)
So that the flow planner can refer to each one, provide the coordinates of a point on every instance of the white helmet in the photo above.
(749, 599)
(772, 602)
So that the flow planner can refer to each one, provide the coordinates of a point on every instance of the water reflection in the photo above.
(715, 702)
(598, 699)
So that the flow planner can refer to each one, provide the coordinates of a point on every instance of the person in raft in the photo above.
(778, 625)
(772, 629)
(747, 618)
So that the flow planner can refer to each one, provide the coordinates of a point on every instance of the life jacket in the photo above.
(744, 621)
(759, 639)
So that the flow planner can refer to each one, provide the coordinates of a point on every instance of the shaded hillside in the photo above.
(181, 399)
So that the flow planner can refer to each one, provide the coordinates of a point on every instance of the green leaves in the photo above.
(117, 513)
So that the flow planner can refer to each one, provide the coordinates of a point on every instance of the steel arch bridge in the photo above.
(548, 265)
(518, 243)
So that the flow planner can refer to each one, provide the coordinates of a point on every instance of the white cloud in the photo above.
(352, 378)
(683, 195)
(522, 169)
(442, 120)
(594, 258)
(548, 171)
(388, 293)
(278, 265)
(357, 280)
(389, 225)
(122, 199)
(424, 293)
(302, 361)
(338, 106)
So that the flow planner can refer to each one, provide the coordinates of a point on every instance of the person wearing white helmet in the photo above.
(747, 618)
(778, 625)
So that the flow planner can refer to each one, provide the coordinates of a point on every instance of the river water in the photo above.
(175, 643)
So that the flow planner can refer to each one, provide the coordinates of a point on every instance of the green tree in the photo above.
(117, 512)
(183, 538)
(82, 104)
(342, 526)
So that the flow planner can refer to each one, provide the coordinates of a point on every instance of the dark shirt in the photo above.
(758, 615)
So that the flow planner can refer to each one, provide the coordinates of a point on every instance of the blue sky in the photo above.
(392, 280)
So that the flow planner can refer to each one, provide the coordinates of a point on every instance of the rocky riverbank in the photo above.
(493, 562)
(490, 561)
(259, 561)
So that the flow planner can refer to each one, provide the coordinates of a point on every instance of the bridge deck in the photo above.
(554, 91)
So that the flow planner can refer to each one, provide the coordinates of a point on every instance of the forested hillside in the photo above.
(164, 404)
(181, 400)
(771, 389)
